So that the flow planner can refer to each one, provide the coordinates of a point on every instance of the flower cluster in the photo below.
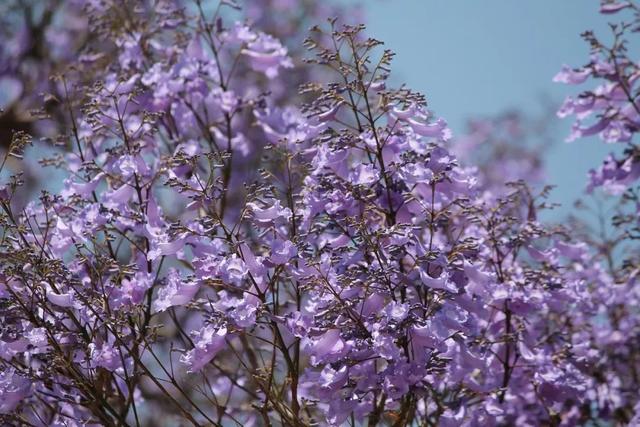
(610, 110)
(226, 250)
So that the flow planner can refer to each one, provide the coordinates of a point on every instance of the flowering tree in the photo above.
(230, 249)
(611, 111)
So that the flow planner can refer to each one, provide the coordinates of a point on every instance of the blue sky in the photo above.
(481, 57)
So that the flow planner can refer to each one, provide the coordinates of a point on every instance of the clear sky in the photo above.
(481, 57)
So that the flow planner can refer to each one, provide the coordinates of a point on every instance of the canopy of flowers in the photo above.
(254, 227)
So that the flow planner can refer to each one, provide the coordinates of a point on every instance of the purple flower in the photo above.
(570, 76)
(267, 55)
(271, 213)
(176, 292)
(326, 347)
(282, 251)
(610, 7)
(208, 341)
(14, 389)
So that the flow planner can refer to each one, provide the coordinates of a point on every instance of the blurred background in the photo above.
(481, 59)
